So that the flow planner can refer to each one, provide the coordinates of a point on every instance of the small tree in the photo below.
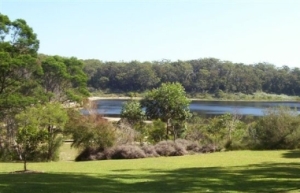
(168, 103)
(132, 112)
(38, 128)
(29, 138)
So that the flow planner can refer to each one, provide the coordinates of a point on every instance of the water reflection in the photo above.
(113, 107)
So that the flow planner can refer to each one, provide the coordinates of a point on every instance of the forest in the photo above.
(205, 75)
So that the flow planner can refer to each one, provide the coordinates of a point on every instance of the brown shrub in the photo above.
(125, 152)
(170, 148)
(190, 146)
(150, 151)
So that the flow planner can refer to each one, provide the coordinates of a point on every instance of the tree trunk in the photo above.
(167, 132)
(25, 162)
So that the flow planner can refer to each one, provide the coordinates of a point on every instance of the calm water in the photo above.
(113, 107)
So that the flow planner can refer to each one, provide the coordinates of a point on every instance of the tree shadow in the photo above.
(292, 154)
(267, 177)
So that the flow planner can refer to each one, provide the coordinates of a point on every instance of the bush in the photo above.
(157, 131)
(126, 152)
(125, 134)
(190, 146)
(278, 129)
(90, 130)
(7, 153)
(150, 151)
(86, 154)
(170, 148)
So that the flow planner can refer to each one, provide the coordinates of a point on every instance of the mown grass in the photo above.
(237, 171)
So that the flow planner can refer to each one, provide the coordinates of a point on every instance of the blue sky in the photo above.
(247, 31)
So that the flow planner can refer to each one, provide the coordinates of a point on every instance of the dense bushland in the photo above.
(198, 77)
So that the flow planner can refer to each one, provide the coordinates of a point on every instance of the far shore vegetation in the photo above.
(257, 96)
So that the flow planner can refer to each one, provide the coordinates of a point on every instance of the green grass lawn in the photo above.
(236, 171)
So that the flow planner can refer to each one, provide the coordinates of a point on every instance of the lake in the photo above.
(112, 107)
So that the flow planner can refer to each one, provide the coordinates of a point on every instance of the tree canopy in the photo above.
(18, 52)
(169, 104)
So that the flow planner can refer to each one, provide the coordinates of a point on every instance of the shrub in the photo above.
(125, 134)
(150, 151)
(90, 130)
(190, 146)
(170, 148)
(86, 154)
(157, 131)
(126, 152)
(278, 129)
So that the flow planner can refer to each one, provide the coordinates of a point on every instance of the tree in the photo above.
(63, 79)
(18, 51)
(132, 112)
(18, 63)
(29, 138)
(38, 131)
(168, 103)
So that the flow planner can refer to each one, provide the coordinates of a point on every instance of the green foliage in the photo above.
(27, 80)
(221, 132)
(201, 78)
(63, 79)
(168, 103)
(195, 129)
(278, 129)
(132, 112)
(157, 131)
(18, 50)
(90, 131)
(39, 129)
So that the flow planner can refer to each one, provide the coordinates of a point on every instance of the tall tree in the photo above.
(18, 62)
(18, 51)
(63, 79)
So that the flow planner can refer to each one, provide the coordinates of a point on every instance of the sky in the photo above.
(242, 31)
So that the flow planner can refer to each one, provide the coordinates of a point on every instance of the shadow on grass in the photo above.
(292, 154)
(268, 177)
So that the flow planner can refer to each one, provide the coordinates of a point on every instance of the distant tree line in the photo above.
(207, 75)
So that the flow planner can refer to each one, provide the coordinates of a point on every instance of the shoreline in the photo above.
(95, 98)
(116, 119)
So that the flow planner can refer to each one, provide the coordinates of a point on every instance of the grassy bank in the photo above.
(237, 171)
